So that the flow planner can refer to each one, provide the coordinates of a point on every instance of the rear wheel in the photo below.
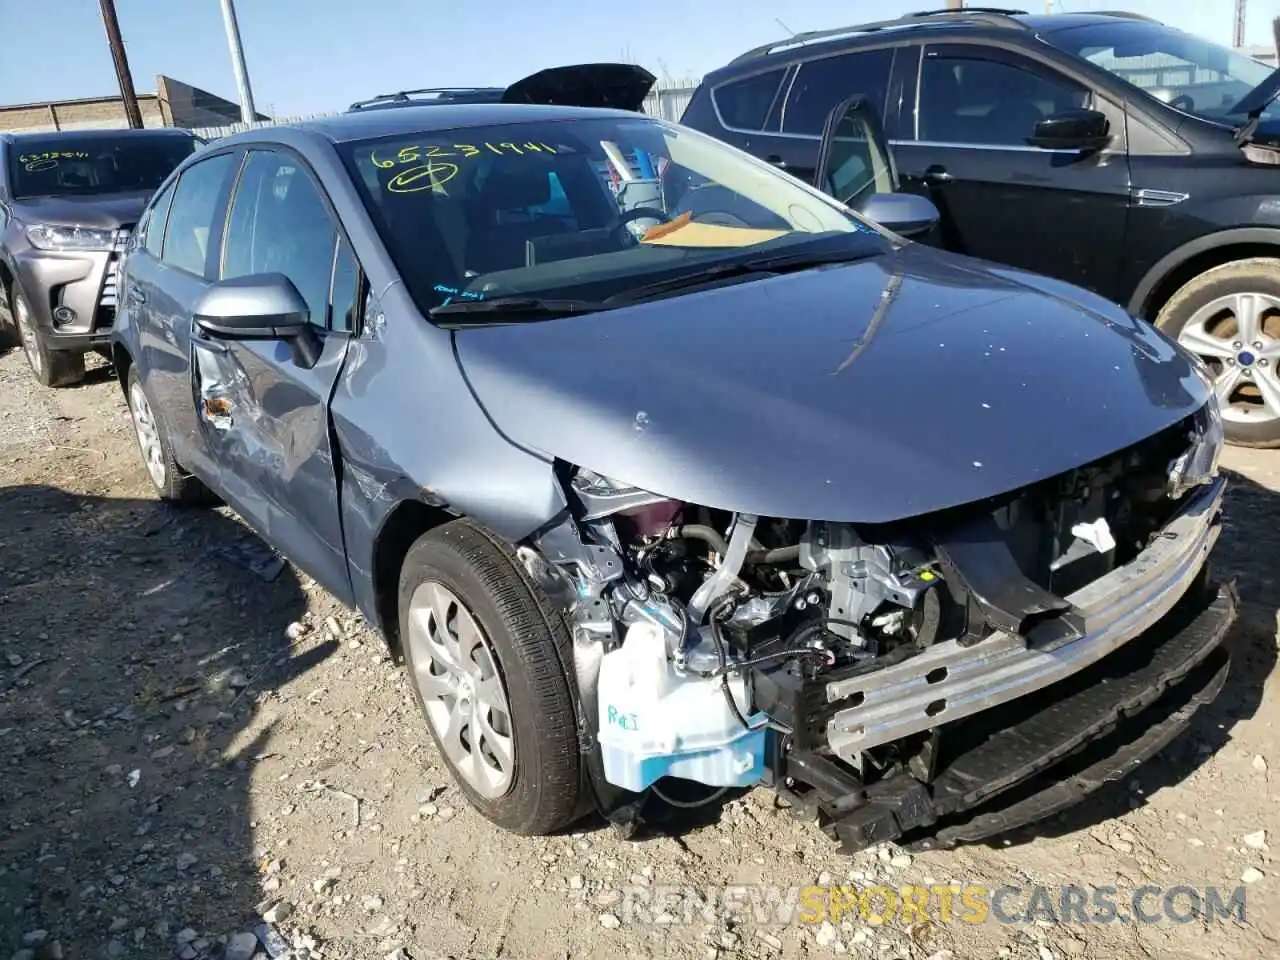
(52, 368)
(485, 652)
(1230, 317)
(172, 483)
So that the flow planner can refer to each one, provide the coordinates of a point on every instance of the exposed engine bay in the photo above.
(824, 658)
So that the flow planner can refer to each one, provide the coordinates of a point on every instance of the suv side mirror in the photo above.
(906, 214)
(265, 306)
(1072, 130)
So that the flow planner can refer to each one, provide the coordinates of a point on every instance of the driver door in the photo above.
(261, 408)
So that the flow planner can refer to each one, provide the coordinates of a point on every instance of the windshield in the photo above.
(1189, 73)
(59, 166)
(584, 208)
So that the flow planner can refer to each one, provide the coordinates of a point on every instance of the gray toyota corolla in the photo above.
(668, 475)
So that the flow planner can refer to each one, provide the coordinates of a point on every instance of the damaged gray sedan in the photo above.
(668, 475)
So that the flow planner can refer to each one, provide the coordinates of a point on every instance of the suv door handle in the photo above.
(776, 160)
(937, 174)
(135, 295)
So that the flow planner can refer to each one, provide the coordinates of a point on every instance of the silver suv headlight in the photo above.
(45, 237)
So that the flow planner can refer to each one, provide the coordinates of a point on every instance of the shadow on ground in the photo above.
(1246, 552)
(133, 647)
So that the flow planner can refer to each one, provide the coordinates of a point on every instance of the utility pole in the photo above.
(247, 113)
(1238, 34)
(1275, 37)
(955, 4)
(127, 93)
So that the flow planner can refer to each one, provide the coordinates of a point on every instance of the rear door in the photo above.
(1062, 213)
(263, 418)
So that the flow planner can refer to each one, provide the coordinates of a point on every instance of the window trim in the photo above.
(215, 227)
(357, 302)
(148, 221)
(340, 231)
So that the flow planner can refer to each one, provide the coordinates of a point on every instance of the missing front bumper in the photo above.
(950, 682)
(1041, 754)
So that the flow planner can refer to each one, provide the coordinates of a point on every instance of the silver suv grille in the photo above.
(118, 244)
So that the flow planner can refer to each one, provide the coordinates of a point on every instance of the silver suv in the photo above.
(68, 202)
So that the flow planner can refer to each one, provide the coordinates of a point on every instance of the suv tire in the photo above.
(171, 481)
(52, 368)
(486, 654)
(1201, 317)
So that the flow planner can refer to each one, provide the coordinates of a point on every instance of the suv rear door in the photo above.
(1058, 212)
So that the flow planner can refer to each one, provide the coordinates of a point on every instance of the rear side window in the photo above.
(744, 104)
(196, 200)
(821, 84)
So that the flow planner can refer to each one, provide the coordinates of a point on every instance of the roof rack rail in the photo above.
(436, 94)
(1125, 15)
(988, 16)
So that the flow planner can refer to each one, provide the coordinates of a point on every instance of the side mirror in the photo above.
(265, 306)
(906, 214)
(1072, 130)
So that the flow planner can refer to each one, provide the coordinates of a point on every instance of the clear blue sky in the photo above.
(308, 56)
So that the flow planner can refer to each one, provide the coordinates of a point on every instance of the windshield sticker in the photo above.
(35, 162)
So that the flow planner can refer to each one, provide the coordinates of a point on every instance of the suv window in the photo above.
(966, 99)
(821, 84)
(279, 223)
(151, 230)
(744, 104)
(191, 216)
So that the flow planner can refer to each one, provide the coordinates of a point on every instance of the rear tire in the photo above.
(1230, 317)
(52, 368)
(486, 654)
(172, 483)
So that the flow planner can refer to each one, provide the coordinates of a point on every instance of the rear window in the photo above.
(744, 104)
(57, 166)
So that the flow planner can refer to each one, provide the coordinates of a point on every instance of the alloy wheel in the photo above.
(144, 424)
(1238, 337)
(27, 333)
(463, 692)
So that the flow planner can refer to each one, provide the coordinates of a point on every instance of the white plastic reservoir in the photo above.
(656, 721)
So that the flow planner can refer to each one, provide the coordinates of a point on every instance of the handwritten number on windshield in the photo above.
(415, 154)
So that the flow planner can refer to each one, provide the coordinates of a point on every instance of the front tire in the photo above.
(52, 368)
(485, 652)
(171, 482)
(1229, 316)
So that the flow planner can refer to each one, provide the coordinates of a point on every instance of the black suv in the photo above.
(1107, 150)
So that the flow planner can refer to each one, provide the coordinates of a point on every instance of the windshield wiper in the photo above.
(779, 263)
(512, 309)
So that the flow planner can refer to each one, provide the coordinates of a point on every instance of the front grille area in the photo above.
(110, 294)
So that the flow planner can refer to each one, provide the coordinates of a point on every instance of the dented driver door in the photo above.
(262, 408)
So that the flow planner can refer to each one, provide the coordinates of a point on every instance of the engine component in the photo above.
(718, 582)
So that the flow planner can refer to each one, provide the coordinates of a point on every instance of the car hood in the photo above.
(620, 86)
(865, 392)
(107, 211)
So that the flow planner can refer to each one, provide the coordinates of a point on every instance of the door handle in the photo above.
(937, 174)
(776, 160)
(135, 295)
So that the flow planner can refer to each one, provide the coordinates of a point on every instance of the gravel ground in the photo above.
(196, 741)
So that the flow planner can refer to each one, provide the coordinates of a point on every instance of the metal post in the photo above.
(955, 4)
(1238, 33)
(127, 94)
(1275, 37)
(247, 113)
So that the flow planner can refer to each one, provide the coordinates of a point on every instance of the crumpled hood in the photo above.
(796, 397)
(104, 211)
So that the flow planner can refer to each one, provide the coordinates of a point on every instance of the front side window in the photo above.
(966, 99)
(821, 84)
(744, 104)
(1182, 70)
(196, 200)
(151, 230)
(583, 209)
(280, 224)
(74, 166)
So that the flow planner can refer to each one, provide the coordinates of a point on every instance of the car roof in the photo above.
(432, 118)
(72, 136)
(986, 20)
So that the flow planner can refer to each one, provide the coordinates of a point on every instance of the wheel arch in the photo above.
(1191, 259)
(403, 525)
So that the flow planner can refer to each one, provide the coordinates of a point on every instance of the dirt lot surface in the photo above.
(193, 738)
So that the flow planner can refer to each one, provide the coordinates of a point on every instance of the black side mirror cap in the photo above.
(1072, 130)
